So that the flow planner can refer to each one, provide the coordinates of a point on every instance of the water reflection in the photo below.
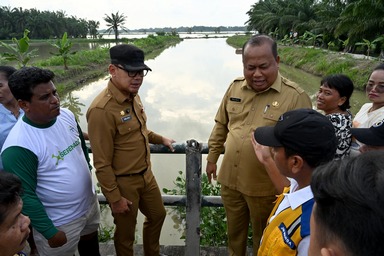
(44, 48)
(182, 94)
(187, 84)
(74, 104)
(181, 97)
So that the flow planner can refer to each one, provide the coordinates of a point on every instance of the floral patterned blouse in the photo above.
(342, 124)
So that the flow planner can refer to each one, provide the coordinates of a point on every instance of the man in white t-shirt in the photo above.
(46, 150)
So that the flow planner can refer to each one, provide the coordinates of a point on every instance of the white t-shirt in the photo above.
(365, 119)
(63, 180)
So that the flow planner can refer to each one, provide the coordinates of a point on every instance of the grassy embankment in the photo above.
(321, 62)
(87, 65)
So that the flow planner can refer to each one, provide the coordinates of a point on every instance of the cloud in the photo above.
(149, 13)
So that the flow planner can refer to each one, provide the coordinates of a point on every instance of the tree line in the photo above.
(47, 24)
(42, 24)
(347, 25)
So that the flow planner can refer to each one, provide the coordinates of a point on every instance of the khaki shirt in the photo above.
(241, 111)
(119, 138)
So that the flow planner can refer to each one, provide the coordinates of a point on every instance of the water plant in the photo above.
(213, 223)
(213, 220)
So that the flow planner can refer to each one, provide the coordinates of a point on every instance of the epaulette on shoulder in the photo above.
(104, 99)
(240, 78)
(292, 84)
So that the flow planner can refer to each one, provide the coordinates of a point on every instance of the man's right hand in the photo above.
(59, 239)
(211, 171)
(121, 206)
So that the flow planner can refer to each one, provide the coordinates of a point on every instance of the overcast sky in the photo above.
(149, 13)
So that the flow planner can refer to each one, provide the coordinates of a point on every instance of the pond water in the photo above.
(45, 49)
(181, 97)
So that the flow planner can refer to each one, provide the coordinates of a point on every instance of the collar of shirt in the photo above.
(117, 94)
(298, 197)
(276, 85)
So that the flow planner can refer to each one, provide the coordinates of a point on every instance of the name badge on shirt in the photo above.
(126, 118)
(235, 99)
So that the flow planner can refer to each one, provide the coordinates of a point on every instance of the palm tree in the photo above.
(366, 17)
(284, 15)
(92, 28)
(6, 25)
(114, 22)
(263, 16)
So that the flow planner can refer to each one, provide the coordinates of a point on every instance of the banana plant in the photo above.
(63, 46)
(370, 45)
(19, 50)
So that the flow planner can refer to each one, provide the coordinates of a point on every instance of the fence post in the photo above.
(193, 191)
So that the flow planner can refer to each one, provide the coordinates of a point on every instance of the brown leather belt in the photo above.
(133, 174)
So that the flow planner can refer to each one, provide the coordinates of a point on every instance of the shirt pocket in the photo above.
(127, 128)
(271, 116)
(235, 111)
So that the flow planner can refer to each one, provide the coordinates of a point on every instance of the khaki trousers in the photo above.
(144, 193)
(240, 210)
(84, 225)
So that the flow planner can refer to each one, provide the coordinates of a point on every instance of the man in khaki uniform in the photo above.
(121, 154)
(257, 99)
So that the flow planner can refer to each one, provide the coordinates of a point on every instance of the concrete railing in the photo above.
(193, 200)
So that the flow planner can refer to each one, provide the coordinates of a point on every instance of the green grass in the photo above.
(91, 64)
(321, 62)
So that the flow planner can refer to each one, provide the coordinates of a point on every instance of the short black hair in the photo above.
(314, 159)
(7, 71)
(349, 196)
(261, 39)
(23, 81)
(343, 85)
(10, 191)
(379, 67)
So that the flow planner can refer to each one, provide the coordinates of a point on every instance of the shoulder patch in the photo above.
(239, 79)
(292, 84)
(103, 102)
(102, 99)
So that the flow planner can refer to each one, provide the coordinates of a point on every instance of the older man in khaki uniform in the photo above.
(257, 99)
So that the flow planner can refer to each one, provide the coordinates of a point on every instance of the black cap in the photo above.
(128, 56)
(304, 131)
(372, 136)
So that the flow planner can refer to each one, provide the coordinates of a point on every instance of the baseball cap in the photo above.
(304, 131)
(129, 56)
(372, 136)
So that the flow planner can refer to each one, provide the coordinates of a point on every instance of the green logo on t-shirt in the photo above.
(62, 154)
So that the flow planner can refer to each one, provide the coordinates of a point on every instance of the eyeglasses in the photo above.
(130, 73)
(379, 88)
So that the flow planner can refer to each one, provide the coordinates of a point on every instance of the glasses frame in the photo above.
(379, 88)
(141, 73)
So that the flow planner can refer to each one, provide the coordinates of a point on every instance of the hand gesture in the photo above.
(211, 171)
(168, 143)
(59, 239)
(121, 206)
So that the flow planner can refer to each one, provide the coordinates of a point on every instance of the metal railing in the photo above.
(193, 200)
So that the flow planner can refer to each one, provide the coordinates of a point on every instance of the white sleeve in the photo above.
(302, 249)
